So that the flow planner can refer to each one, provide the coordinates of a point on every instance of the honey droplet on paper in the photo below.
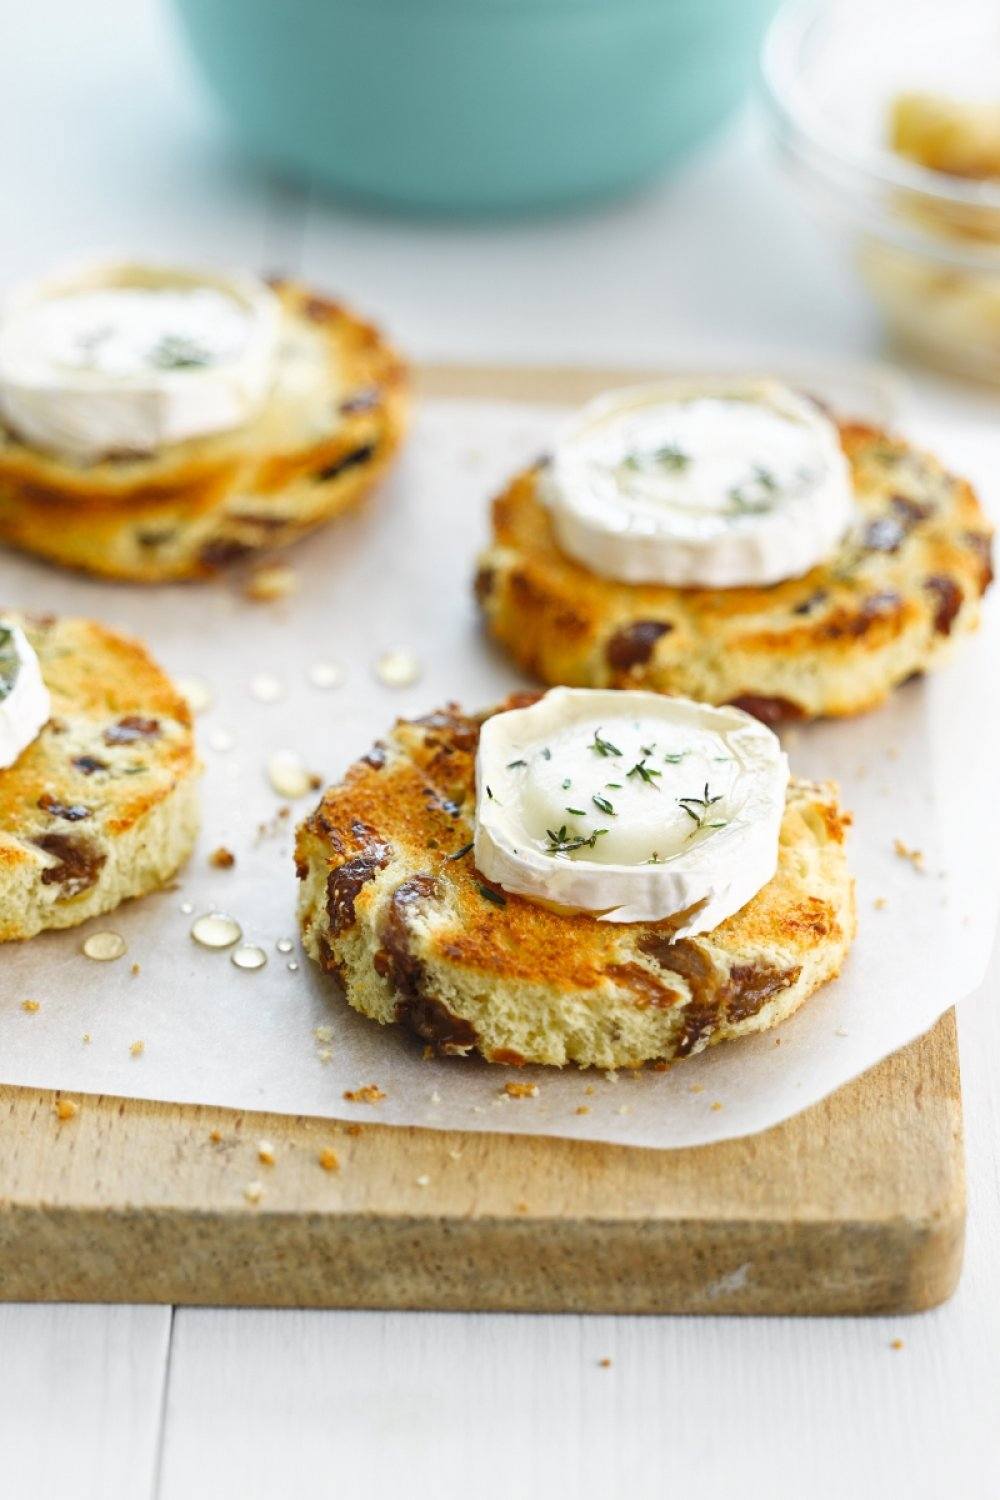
(397, 669)
(104, 946)
(249, 956)
(216, 929)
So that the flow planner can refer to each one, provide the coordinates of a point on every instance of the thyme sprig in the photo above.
(601, 746)
(698, 808)
(604, 805)
(648, 774)
(9, 662)
(561, 841)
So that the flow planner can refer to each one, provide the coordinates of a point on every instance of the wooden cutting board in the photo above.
(855, 1206)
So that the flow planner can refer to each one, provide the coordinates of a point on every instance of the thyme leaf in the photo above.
(602, 746)
(561, 841)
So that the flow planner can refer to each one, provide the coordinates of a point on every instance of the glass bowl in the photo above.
(926, 244)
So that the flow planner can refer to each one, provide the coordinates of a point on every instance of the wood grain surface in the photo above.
(855, 1206)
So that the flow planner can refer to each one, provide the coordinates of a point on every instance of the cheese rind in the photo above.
(631, 805)
(716, 483)
(25, 704)
(126, 359)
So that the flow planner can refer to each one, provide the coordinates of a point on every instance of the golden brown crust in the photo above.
(101, 807)
(196, 506)
(902, 588)
(391, 902)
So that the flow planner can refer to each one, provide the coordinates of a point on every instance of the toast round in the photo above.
(390, 902)
(333, 421)
(103, 805)
(901, 590)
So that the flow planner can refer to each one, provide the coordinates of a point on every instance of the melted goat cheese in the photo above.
(129, 359)
(25, 704)
(631, 805)
(700, 483)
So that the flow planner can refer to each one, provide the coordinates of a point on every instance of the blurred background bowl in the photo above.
(474, 105)
(926, 243)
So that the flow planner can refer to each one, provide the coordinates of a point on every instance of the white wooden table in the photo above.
(107, 143)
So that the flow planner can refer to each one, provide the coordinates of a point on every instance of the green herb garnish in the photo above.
(175, 352)
(602, 746)
(460, 853)
(564, 842)
(578, 812)
(604, 805)
(489, 894)
(9, 662)
(648, 774)
(672, 457)
(697, 810)
(513, 764)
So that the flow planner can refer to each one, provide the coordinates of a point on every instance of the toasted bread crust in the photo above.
(102, 806)
(330, 429)
(891, 603)
(390, 902)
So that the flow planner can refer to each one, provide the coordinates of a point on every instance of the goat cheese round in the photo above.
(25, 704)
(631, 805)
(126, 359)
(707, 483)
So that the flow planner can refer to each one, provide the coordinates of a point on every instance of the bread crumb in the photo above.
(520, 1090)
(66, 1109)
(253, 1192)
(137, 1049)
(329, 1160)
(582, 1109)
(136, 969)
(31, 1006)
(265, 1153)
(323, 1033)
(915, 856)
(222, 858)
(352, 1129)
(369, 1093)
(423, 1180)
(716, 1103)
(897, 1344)
(325, 1054)
(215, 1136)
(880, 903)
(270, 582)
(428, 1054)
(696, 1088)
(86, 1037)
(604, 1363)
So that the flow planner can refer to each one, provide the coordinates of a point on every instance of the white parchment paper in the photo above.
(397, 576)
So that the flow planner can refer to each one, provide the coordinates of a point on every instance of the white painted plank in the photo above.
(448, 1406)
(81, 1397)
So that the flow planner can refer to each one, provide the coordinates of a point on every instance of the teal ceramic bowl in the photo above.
(474, 105)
